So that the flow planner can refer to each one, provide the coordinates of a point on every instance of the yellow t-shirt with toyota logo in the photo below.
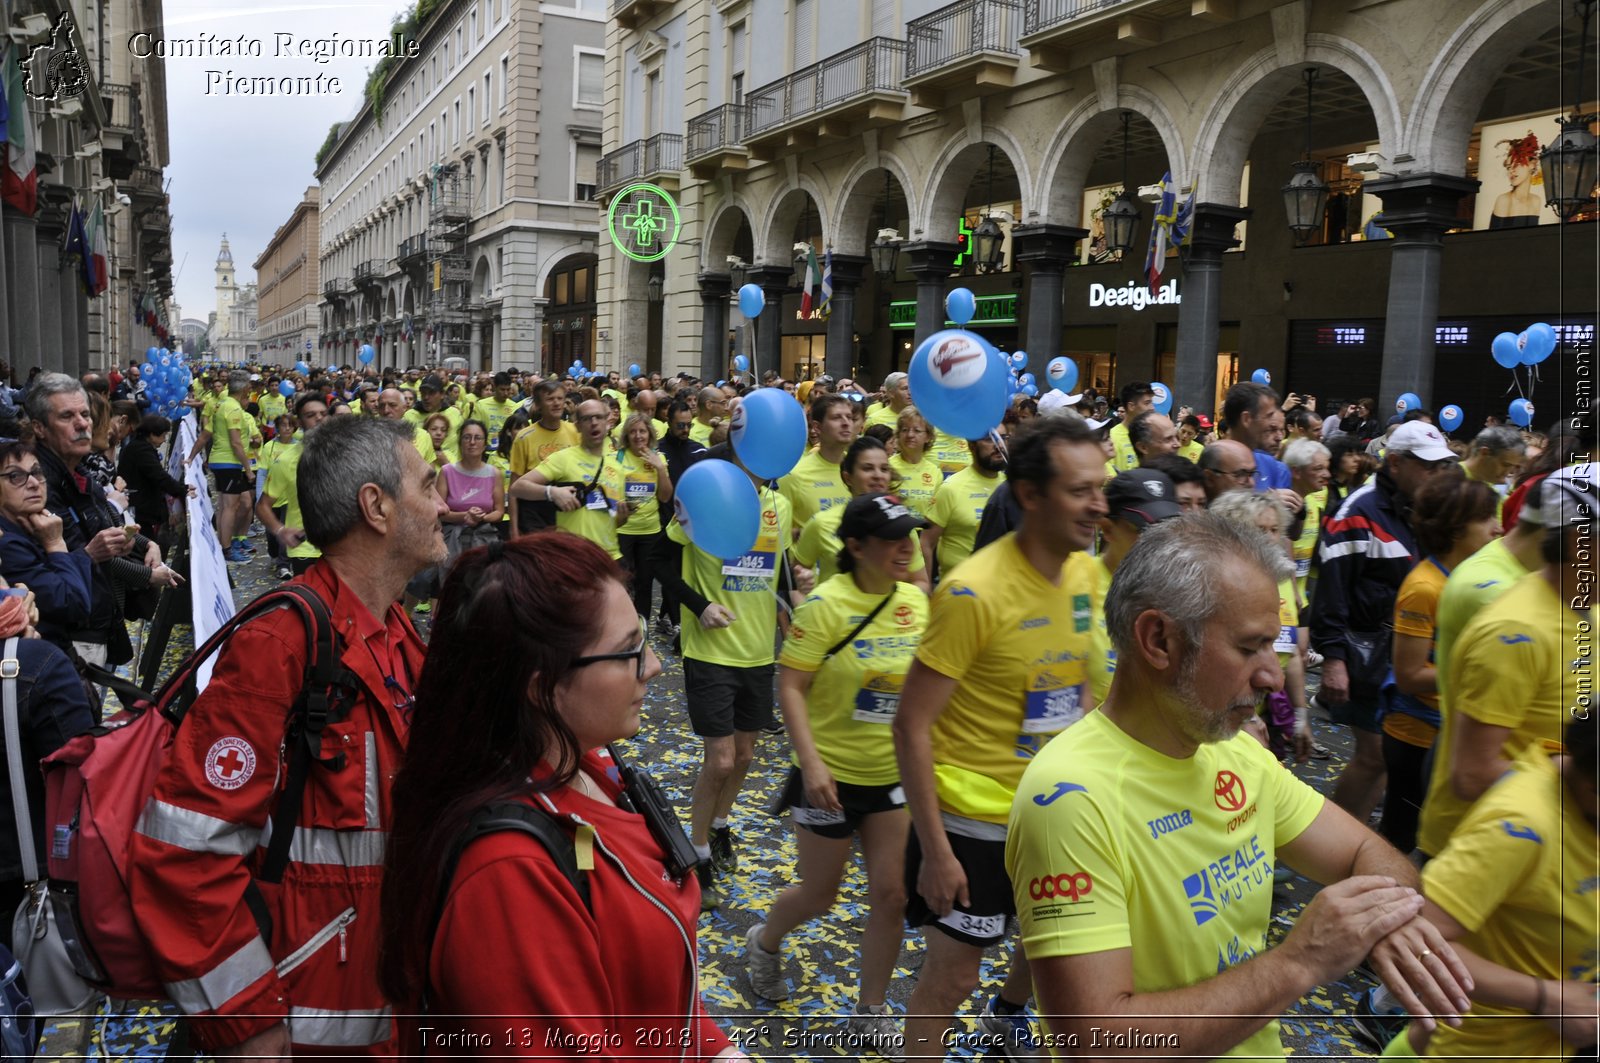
(855, 694)
(1022, 650)
(812, 486)
(599, 486)
(1113, 845)
(746, 586)
(916, 484)
(957, 508)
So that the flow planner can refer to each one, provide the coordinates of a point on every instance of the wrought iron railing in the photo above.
(720, 127)
(874, 65)
(662, 153)
(1047, 14)
(960, 30)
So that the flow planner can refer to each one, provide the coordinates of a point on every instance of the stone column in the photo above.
(931, 263)
(1198, 314)
(714, 291)
(1046, 249)
(774, 282)
(51, 350)
(475, 345)
(847, 273)
(19, 374)
(22, 292)
(69, 289)
(1418, 209)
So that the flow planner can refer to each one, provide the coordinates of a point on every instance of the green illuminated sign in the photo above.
(993, 310)
(963, 241)
(643, 222)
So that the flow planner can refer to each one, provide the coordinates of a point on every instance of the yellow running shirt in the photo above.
(1113, 845)
(812, 486)
(745, 586)
(282, 485)
(599, 487)
(1415, 613)
(227, 416)
(1515, 667)
(1519, 875)
(916, 484)
(1305, 547)
(536, 443)
(957, 506)
(951, 453)
(639, 480)
(855, 694)
(1125, 456)
(1022, 650)
(819, 545)
(494, 415)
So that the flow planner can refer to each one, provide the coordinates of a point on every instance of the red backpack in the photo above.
(97, 786)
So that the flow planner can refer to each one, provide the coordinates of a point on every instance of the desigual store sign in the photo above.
(1135, 295)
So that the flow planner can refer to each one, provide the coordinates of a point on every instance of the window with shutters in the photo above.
(488, 94)
(805, 33)
(884, 22)
(736, 61)
(585, 158)
(655, 103)
(589, 90)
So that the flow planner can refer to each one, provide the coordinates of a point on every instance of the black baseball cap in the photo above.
(1142, 497)
(880, 516)
(432, 382)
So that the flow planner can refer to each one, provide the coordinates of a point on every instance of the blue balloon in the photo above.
(1018, 359)
(752, 300)
(1409, 401)
(959, 306)
(1030, 390)
(285, 388)
(1262, 377)
(1026, 379)
(1062, 373)
(1521, 412)
(302, 368)
(1541, 341)
(1163, 397)
(719, 509)
(768, 432)
(366, 354)
(634, 370)
(1450, 418)
(148, 371)
(959, 382)
(722, 383)
(151, 353)
(741, 363)
(1507, 349)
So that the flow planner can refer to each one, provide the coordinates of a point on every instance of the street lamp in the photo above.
(1568, 164)
(736, 271)
(1121, 218)
(988, 239)
(1305, 196)
(802, 252)
(652, 288)
(886, 253)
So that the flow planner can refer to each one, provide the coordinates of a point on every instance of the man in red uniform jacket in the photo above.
(370, 506)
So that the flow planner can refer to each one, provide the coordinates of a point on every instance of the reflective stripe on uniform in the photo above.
(327, 1026)
(225, 981)
(195, 831)
(369, 794)
(344, 848)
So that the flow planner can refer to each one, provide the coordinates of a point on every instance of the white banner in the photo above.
(208, 572)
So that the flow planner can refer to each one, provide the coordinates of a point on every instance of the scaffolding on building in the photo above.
(449, 275)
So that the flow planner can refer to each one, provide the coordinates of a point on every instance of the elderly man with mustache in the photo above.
(59, 409)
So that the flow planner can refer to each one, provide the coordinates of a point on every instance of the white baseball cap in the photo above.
(1422, 441)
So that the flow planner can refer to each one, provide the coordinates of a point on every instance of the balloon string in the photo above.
(999, 443)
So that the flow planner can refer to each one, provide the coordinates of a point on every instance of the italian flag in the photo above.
(19, 179)
(813, 278)
(95, 251)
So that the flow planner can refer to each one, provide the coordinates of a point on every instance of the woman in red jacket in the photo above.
(506, 953)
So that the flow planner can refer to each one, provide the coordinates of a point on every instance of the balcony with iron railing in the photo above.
(1053, 29)
(848, 91)
(336, 287)
(630, 13)
(657, 159)
(969, 46)
(412, 249)
(122, 137)
(715, 141)
(368, 274)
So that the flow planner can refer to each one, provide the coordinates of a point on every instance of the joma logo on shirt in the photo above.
(1170, 822)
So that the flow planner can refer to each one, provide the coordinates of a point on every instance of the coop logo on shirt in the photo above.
(1070, 887)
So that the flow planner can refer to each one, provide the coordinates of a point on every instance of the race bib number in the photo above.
(761, 563)
(596, 499)
(878, 699)
(815, 817)
(640, 491)
(1302, 567)
(1287, 642)
(1055, 697)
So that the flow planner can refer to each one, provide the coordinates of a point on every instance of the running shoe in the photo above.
(765, 968)
(234, 555)
(710, 896)
(723, 859)
(1377, 1028)
(1016, 1031)
(285, 572)
(874, 1026)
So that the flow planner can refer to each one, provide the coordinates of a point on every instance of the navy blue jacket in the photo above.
(59, 582)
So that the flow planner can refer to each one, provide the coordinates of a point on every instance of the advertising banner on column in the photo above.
(208, 572)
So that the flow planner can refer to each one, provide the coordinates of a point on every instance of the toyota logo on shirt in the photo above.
(1229, 792)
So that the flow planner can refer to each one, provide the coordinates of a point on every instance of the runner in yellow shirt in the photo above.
(815, 484)
(865, 469)
(917, 474)
(958, 505)
(534, 445)
(583, 482)
(281, 492)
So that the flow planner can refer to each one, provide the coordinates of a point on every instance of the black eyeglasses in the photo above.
(1242, 476)
(20, 477)
(636, 654)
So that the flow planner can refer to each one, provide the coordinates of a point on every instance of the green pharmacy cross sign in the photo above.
(643, 222)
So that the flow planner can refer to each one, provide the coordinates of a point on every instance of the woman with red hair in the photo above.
(529, 959)
(1518, 206)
